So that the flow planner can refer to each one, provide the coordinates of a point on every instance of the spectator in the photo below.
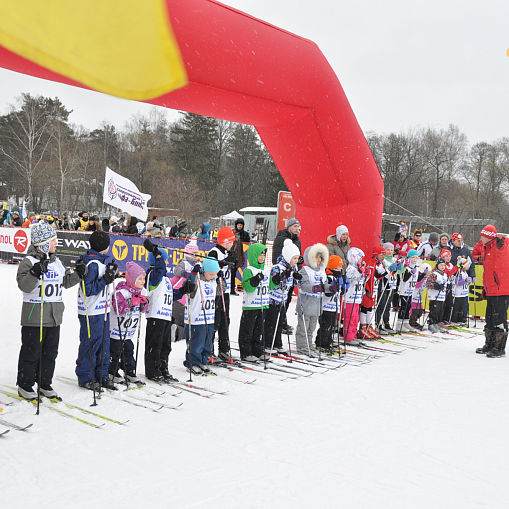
(255, 236)
(241, 237)
(132, 229)
(291, 232)
(94, 224)
(425, 248)
(443, 243)
(114, 225)
(29, 220)
(16, 220)
(204, 231)
(339, 244)
(82, 222)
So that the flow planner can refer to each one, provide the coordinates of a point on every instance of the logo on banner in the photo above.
(112, 189)
(20, 241)
(120, 249)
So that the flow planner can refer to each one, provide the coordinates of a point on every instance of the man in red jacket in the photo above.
(495, 253)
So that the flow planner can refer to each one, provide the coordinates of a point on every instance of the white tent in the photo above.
(231, 216)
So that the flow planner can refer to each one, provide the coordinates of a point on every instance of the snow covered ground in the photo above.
(422, 429)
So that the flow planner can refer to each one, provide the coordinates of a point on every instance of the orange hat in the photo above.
(445, 252)
(225, 235)
(335, 262)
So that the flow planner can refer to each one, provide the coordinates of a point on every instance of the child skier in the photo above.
(330, 304)
(375, 270)
(227, 259)
(386, 288)
(353, 297)
(128, 303)
(40, 269)
(416, 308)
(161, 295)
(199, 318)
(94, 328)
(460, 287)
(283, 277)
(255, 302)
(312, 289)
(437, 283)
(408, 279)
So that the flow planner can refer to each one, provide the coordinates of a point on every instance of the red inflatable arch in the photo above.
(245, 70)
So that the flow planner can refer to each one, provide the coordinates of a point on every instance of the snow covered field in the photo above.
(422, 429)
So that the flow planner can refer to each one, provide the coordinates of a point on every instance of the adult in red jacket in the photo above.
(477, 252)
(496, 290)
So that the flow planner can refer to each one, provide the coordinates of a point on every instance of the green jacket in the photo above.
(253, 252)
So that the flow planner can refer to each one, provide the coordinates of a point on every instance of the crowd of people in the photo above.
(340, 289)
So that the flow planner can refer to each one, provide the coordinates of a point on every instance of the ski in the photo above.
(6, 403)
(4, 432)
(305, 362)
(51, 407)
(171, 407)
(15, 426)
(187, 389)
(290, 364)
(193, 386)
(230, 368)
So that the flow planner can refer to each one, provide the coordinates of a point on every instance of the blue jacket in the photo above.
(206, 232)
(94, 285)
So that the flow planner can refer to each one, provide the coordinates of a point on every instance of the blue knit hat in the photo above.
(210, 265)
(411, 253)
(42, 234)
(152, 258)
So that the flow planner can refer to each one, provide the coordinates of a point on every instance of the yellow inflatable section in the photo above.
(126, 48)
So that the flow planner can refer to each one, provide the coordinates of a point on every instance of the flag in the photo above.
(120, 192)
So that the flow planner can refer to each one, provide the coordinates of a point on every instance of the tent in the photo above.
(231, 216)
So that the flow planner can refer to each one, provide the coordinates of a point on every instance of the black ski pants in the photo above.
(324, 333)
(383, 307)
(448, 305)
(457, 311)
(250, 333)
(496, 311)
(117, 357)
(405, 305)
(30, 352)
(157, 346)
(222, 322)
(436, 311)
(271, 314)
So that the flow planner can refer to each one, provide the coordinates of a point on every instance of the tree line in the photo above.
(201, 167)
(436, 173)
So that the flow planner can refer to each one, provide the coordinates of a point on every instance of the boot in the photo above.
(373, 332)
(499, 341)
(364, 333)
(414, 318)
(488, 334)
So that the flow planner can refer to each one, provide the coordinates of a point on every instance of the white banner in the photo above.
(123, 194)
(14, 240)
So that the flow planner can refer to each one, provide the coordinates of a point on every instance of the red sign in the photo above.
(14, 240)
(285, 209)
(20, 241)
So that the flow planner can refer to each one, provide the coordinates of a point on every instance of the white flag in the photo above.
(123, 194)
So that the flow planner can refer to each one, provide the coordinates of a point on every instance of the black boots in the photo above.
(488, 333)
(499, 339)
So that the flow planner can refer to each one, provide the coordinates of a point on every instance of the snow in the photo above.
(421, 429)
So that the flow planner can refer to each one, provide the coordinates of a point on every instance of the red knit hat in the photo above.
(225, 235)
(378, 250)
(489, 231)
(456, 236)
(445, 252)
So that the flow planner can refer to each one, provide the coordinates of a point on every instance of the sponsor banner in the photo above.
(285, 209)
(14, 240)
(123, 194)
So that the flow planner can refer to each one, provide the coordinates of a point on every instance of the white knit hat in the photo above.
(340, 230)
(42, 234)
(289, 250)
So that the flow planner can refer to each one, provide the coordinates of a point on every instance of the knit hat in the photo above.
(335, 262)
(489, 231)
(192, 247)
(132, 273)
(289, 250)
(445, 235)
(225, 235)
(438, 261)
(114, 219)
(15, 212)
(210, 265)
(42, 234)
(433, 237)
(152, 258)
(411, 253)
(341, 228)
(444, 252)
(378, 250)
(387, 244)
(95, 219)
(291, 222)
(456, 236)
(99, 241)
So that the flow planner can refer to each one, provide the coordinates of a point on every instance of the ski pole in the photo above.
(137, 344)
(89, 342)
(40, 344)
(122, 341)
(226, 319)
(280, 311)
(304, 322)
(286, 321)
(189, 359)
(104, 329)
(320, 321)
(345, 335)
(205, 315)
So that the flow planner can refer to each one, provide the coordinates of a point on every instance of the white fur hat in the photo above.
(289, 250)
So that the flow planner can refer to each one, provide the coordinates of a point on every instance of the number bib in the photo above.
(331, 303)
(95, 303)
(459, 291)
(355, 293)
(128, 322)
(280, 296)
(53, 281)
(407, 287)
(260, 297)
(437, 294)
(208, 289)
(226, 269)
(315, 278)
(161, 300)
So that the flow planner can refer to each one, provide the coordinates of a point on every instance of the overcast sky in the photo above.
(401, 63)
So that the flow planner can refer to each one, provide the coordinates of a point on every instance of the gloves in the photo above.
(297, 276)
(232, 258)
(439, 286)
(80, 267)
(346, 284)
(276, 278)
(187, 287)
(220, 274)
(287, 273)
(318, 288)
(40, 268)
(111, 273)
(151, 248)
(414, 270)
(468, 280)
(334, 288)
(138, 300)
(500, 242)
(256, 280)
(196, 269)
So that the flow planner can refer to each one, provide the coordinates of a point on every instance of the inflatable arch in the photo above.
(242, 69)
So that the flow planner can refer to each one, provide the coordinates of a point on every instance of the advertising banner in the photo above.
(285, 209)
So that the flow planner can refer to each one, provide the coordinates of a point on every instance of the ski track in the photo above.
(422, 429)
